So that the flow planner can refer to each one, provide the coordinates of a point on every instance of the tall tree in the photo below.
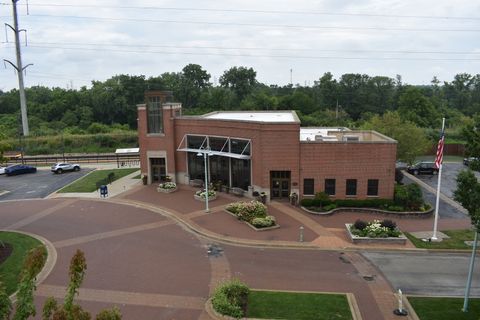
(415, 107)
(468, 194)
(241, 80)
(193, 81)
(471, 133)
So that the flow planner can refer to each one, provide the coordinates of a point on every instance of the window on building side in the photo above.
(154, 115)
(372, 187)
(330, 187)
(308, 187)
(351, 187)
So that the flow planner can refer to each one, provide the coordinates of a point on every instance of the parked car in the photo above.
(2, 170)
(467, 161)
(422, 167)
(19, 169)
(62, 167)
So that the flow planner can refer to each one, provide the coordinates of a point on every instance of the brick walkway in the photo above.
(134, 244)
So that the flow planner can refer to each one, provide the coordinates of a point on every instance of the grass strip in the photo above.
(456, 240)
(298, 306)
(88, 182)
(444, 308)
(11, 268)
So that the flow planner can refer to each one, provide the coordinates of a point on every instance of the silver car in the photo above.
(61, 167)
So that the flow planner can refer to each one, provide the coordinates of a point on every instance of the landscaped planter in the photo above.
(275, 226)
(359, 240)
(163, 190)
(199, 198)
(167, 187)
(399, 214)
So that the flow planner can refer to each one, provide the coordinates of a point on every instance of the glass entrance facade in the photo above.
(228, 160)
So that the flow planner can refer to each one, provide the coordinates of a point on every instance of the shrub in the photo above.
(246, 211)
(203, 194)
(474, 165)
(409, 196)
(230, 298)
(307, 203)
(329, 207)
(268, 221)
(322, 198)
(168, 185)
(388, 224)
(360, 224)
(395, 208)
(398, 176)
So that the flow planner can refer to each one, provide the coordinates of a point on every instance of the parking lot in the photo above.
(36, 185)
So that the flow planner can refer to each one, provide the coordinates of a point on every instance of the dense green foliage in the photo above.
(358, 97)
(297, 305)
(444, 308)
(468, 195)
(230, 298)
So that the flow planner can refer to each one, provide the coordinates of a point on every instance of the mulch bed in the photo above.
(5, 251)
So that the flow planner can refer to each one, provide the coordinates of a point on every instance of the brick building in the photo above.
(264, 151)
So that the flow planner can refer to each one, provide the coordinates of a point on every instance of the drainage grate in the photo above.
(369, 277)
(214, 250)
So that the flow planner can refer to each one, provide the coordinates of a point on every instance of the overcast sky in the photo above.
(73, 42)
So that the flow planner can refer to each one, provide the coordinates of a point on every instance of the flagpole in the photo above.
(437, 201)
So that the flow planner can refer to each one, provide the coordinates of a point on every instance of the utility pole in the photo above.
(19, 68)
(291, 77)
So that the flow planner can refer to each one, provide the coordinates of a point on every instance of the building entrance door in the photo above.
(158, 170)
(280, 184)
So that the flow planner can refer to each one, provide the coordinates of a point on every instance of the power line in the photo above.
(255, 55)
(250, 48)
(249, 11)
(240, 24)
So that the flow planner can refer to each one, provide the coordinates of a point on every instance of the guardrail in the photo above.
(126, 160)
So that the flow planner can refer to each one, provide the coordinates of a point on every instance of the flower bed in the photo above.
(201, 195)
(254, 213)
(375, 231)
(167, 187)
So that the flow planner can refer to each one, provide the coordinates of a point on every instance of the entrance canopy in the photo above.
(229, 147)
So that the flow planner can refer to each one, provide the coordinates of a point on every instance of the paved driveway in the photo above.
(436, 274)
(37, 185)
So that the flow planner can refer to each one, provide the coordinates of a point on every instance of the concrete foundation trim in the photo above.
(49, 263)
(356, 240)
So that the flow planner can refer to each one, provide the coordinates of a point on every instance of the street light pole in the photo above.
(206, 177)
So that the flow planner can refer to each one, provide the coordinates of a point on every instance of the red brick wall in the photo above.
(341, 161)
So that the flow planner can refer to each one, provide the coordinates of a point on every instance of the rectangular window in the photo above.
(308, 187)
(351, 187)
(372, 187)
(154, 115)
(330, 187)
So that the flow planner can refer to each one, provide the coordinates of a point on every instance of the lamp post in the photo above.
(206, 177)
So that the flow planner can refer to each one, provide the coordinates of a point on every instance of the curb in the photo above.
(49, 263)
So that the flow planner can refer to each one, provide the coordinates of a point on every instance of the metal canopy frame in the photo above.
(205, 147)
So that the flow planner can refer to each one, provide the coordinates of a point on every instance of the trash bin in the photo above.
(103, 191)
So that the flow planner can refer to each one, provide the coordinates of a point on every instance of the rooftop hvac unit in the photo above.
(348, 138)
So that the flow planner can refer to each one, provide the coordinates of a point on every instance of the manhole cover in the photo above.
(214, 250)
(369, 278)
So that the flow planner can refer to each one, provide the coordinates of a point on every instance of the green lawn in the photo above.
(88, 182)
(445, 308)
(297, 306)
(456, 241)
(445, 158)
(138, 176)
(10, 268)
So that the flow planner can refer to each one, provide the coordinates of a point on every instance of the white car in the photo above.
(2, 170)
(61, 167)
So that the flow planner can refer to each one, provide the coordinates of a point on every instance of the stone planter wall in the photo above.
(397, 214)
(359, 240)
(251, 225)
(166, 190)
(203, 199)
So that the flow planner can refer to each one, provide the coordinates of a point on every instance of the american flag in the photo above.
(441, 142)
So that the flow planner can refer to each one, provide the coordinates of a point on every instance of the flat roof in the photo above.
(255, 116)
(320, 134)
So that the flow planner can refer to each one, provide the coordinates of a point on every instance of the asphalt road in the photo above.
(436, 274)
(37, 185)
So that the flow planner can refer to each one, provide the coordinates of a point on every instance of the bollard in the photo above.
(400, 311)
(301, 233)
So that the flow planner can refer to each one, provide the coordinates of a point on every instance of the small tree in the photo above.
(468, 194)
(32, 265)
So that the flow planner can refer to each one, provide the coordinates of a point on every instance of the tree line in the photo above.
(352, 100)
